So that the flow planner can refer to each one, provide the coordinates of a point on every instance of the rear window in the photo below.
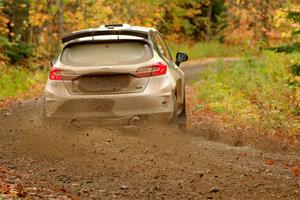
(106, 53)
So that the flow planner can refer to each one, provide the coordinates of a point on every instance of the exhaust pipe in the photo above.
(134, 121)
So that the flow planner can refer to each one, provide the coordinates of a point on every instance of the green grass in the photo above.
(206, 49)
(255, 92)
(16, 80)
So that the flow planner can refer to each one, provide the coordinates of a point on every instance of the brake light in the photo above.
(157, 69)
(55, 74)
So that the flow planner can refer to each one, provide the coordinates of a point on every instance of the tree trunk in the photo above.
(60, 17)
(209, 18)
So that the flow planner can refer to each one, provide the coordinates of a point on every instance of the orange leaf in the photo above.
(296, 170)
(270, 162)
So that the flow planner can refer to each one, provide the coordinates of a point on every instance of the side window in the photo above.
(162, 48)
(156, 46)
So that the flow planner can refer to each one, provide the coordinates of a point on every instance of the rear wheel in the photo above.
(182, 117)
(44, 120)
(179, 120)
(48, 122)
(174, 119)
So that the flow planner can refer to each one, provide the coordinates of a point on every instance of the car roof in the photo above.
(110, 29)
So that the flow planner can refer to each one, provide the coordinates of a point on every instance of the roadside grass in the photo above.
(253, 92)
(17, 80)
(210, 49)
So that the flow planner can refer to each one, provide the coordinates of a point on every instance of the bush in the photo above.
(254, 92)
(18, 51)
(16, 80)
(15, 51)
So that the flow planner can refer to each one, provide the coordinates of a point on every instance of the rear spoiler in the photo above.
(89, 32)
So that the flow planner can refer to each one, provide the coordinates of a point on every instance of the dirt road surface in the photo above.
(149, 162)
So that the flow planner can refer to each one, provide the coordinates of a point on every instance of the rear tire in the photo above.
(182, 118)
(179, 120)
(48, 122)
(174, 119)
(44, 120)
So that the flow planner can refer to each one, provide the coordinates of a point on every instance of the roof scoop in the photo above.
(113, 26)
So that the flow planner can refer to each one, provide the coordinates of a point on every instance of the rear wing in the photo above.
(96, 32)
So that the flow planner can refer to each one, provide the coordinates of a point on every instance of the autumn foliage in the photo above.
(32, 29)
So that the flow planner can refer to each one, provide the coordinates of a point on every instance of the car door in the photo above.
(178, 75)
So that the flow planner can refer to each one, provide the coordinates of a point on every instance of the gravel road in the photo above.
(149, 162)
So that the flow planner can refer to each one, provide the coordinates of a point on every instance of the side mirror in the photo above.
(52, 62)
(181, 57)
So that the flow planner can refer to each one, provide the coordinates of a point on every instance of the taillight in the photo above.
(55, 74)
(157, 69)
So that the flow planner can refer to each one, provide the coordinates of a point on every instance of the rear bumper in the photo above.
(155, 100)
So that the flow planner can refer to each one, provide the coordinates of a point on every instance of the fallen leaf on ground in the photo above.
(296, 170)
(270, 162)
